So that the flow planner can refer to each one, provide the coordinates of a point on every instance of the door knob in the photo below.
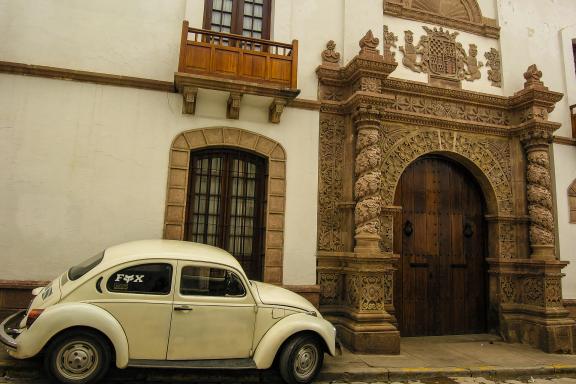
(408, 229)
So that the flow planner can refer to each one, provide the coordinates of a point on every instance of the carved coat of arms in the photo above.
(441, 56)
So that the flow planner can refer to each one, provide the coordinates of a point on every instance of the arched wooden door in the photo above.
(440, 286)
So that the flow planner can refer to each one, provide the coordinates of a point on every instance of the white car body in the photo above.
(170, 329)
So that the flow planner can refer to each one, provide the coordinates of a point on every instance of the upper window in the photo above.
(206, 281)
(83, 268)
(151, 279)
(250, 18)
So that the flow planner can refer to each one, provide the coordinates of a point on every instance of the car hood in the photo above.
(273, 295)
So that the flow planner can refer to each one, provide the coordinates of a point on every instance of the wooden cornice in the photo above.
(564, 140)
(85, 76)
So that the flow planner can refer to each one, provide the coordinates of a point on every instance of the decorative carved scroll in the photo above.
(495, 65)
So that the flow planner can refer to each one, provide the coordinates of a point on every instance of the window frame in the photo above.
(238, 16)
(226, 269)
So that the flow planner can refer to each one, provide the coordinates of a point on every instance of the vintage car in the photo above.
(169, 304)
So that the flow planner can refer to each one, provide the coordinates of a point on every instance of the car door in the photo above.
(139, 295)
(213, 314)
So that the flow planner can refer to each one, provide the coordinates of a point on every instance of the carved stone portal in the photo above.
(373, 127)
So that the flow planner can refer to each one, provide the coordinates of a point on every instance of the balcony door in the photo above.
(226, 204)
(249, 18)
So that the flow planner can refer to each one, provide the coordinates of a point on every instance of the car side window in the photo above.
(150, 279)
(210, 281)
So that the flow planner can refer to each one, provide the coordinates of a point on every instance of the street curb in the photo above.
(404, 374)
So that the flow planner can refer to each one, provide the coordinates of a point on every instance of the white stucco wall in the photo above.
(130, 37)
(84, 166)
(537, 32)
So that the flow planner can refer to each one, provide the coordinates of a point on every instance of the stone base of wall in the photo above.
(381, 339)
(16, 295)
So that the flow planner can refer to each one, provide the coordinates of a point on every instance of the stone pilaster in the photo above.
(368, 172)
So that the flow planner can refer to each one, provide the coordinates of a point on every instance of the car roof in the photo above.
(169, 249)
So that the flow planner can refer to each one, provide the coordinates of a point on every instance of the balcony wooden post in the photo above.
(183, 42)
(294, 78)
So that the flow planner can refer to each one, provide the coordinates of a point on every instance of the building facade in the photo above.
(405, 164)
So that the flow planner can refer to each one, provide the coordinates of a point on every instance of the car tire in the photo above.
(301, 359)
(77, 357)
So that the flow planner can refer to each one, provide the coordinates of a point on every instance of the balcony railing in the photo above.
(235, 57)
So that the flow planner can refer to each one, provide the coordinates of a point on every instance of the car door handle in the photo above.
(183, 308)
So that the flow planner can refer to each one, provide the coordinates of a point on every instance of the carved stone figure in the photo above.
(473, 72)
(410, 52)
(368, 45)
(390, 40)
(329, 55)
(495, 65)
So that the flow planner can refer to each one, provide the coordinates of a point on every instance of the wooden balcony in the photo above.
(238, 65)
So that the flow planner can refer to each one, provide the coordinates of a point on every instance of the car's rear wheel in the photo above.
(301, 359)
(77, 357)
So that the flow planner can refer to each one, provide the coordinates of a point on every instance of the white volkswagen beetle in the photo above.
(162, 303)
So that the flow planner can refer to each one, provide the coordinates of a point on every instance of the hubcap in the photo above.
(77, 360)
(306, 361)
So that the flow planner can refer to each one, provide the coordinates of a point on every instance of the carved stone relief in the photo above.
(390, 40)
(553, 292)
(507, 240)
(330, 288)
(440, 56)
(329, 55)
(533, 291)
(412, 144)
(495, 65)
(332, 137)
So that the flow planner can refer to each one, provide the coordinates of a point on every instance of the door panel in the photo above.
(213, 327)
(440, 285)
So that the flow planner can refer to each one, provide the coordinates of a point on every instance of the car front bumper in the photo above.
(9, 330)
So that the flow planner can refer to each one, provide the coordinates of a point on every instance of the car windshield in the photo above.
(81, 269)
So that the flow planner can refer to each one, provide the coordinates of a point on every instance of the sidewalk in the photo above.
(449, 356)
(430, 357)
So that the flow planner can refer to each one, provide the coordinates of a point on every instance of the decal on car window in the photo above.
(154, 279)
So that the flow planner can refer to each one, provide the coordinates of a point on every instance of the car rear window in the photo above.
(83, 268)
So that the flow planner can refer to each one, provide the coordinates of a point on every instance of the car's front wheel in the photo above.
(301, 359)
(77, 357)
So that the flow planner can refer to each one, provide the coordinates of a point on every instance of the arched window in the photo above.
(226, 204)
(572, 201)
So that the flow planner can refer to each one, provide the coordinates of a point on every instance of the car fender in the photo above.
(285, 328)
(60, 317)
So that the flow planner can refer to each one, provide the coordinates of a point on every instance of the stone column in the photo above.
(367, 187)
(539, 194)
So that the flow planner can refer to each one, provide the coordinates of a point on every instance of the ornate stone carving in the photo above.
(411, 144)
(370, 84)
(368, 45)
(410, 52)
(495, 65)
(352, 294)
(533, 291)
(441, 57)
(330, 287)
(538, 187)
(330, 217)
(388, 288)
(553, 292)
(507, 240)
(533, 76)
(508, 289)
(372, 294)
(445, 109)
(368, 172)
(390, 40)
(329, 55)
(473, 72)
(464, 15)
